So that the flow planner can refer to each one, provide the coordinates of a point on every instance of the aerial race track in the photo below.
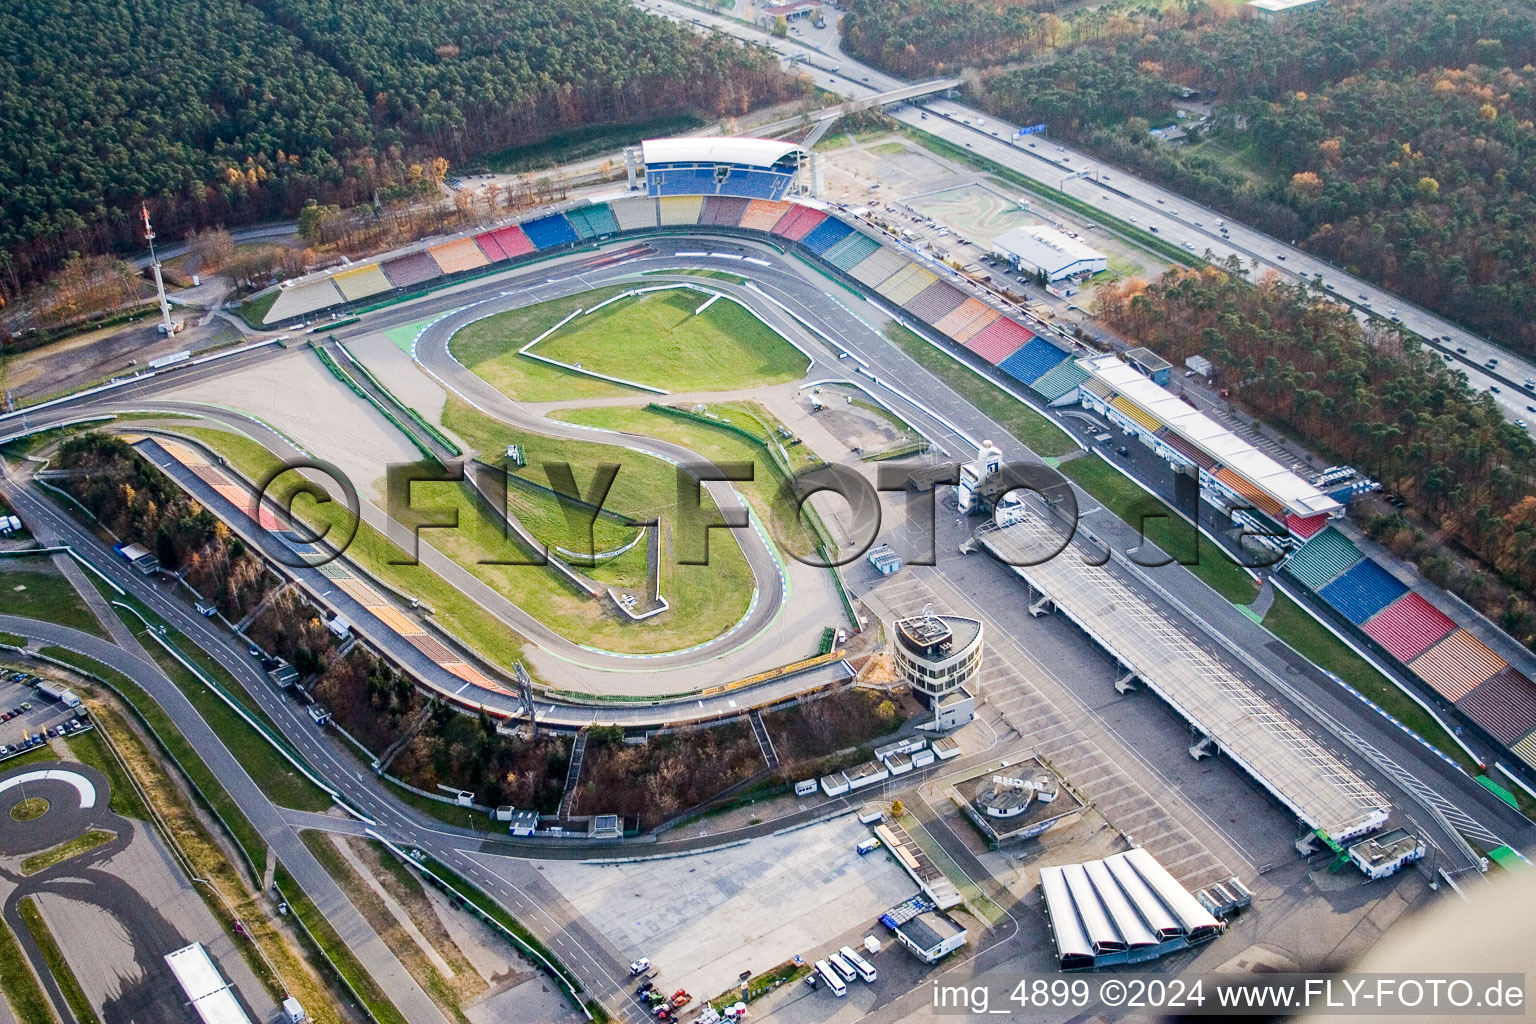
(790, 256)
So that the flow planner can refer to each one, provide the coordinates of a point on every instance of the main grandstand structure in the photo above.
(744, 168)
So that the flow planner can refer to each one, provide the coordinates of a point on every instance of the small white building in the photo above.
(1036, 248)
(1268, 10)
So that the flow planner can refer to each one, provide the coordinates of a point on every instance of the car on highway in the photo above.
(1190, 246)
(1160, 202)
(1493, 389)
(1280, 256)
(1520, 424)
(1461, 350)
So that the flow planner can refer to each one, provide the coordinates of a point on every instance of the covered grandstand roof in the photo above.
(1295, 494)
(752, 152)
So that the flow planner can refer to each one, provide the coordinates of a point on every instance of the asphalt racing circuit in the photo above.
(842, 333)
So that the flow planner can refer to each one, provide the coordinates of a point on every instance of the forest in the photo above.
(139, 504)
(226, 112)
(1371, 397)
(1394, 138)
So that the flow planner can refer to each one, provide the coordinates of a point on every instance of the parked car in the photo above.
(640, 966)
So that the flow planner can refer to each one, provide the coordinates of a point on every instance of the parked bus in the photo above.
(864, 967)
(834, 982)
(843, 967)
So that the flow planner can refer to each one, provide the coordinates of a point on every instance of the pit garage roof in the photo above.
(1295, 494)
(752, 152)
(1259, 736)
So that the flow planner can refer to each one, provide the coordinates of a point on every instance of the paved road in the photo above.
(1175, 218)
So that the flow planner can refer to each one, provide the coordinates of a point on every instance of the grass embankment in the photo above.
(58, 967)
(381, 558)
(281, 781)
(705, 599)
(86, 841)
(1039, 434)
(1288, 621)
(340, 955)
(718, 275)
(91, 748)
(1161, 525)
(23, 993)
(47, 596)
(254, 311)
(449, 993)
(656, 339)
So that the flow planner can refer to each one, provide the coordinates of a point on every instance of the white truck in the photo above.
(63, 694)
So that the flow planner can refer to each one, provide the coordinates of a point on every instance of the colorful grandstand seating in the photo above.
(513, 241)
(548, 232)
(1322, 558)
(458, 256)
(592, 221)
(680, 181)
(879, 267)
(999, 341)
(1504, 705)
(763, 214)
(1408, 627)
(972, 317)
(754, 184)
(1037, 358)
(1305, 528)
(1525, 750)
(413, 268)
(634, 213)
(1257, 498)
(1363, 591)
(825, 235)
(302, 299)
(1062, 378)
(681, 210)
(851, 251)
(492, 248)
(1457, 664)
(1136, 414)
(361, 282)
(935, 302)
(798, 222)
(906, 284)
(724, 211)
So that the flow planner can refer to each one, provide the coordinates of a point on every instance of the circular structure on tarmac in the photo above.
(70, 793)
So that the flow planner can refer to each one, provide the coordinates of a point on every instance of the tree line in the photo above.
(1370, 396)
(226, 112)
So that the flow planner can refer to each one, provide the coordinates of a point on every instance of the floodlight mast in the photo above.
(167, 327)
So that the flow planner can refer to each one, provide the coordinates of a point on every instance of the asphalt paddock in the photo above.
(64, 819)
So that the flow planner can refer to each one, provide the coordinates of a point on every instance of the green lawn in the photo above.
(705, 599)
(21, 987)
(489, 348)
(656, 339)
(718, 446)
(459, 615)
(1042, 436)
(254, 311)
(1292, 624)
(63, 976)
(1163, 527)
(47, 596)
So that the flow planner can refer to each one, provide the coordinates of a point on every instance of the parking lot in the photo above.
(704, 919)
(28, 715)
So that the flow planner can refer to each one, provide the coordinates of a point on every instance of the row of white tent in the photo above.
(1123, 909)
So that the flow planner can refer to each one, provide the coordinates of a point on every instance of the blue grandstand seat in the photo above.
(680, 181)
(550, 231)
(1363, 591)
(825, 235)
(755, 184)
(1033, 361)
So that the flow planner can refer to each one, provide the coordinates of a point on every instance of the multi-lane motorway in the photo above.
(1174, 218)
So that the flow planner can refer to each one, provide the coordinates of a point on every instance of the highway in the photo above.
(1152, 207)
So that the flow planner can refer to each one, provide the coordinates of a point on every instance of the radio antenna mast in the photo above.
(167, 327)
